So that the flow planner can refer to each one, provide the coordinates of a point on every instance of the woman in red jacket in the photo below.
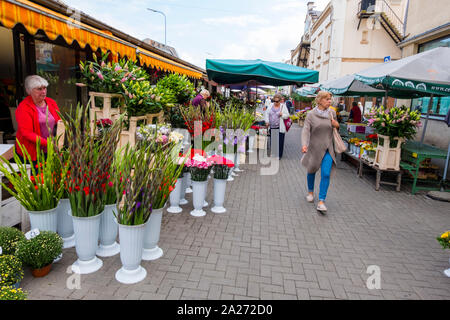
(36, 117)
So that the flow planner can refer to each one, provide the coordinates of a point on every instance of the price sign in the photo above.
(32, 233)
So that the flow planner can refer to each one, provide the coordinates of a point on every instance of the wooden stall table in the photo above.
(413, 154)
(363, 162)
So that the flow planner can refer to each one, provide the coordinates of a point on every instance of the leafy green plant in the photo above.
(41, 250)
(444, 240)
(10, 270)
(179, 85)
(141, 98)
(43, 188)
(9, 236)
(11, 293)
(221, 171)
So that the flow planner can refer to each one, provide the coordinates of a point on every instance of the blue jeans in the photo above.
(325, 170)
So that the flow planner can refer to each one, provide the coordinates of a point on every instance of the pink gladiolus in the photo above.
(99, 74)
(123, 80)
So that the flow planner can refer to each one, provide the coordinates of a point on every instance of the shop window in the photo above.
(7, 85)
(59, 66)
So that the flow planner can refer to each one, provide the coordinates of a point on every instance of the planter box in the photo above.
(387, 158)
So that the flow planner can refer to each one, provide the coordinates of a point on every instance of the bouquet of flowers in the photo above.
(90, 162)
(44, 187)
(221, 166)
(444, 240)
(199, 167)
(103, 125)
(302, 114)
(141, 98)
(198, 119)
(397, 122)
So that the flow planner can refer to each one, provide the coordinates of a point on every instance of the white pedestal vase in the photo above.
(174, 197)
(46, 220)
(108, 246)
(131, 247)
(251, 143)
(198, 197)
(230, 156)
(183, 200)
(87, 230)
(219, 195)
(188, 183)
(65, 224)
(447, 271)
(151, 250)
(237, 161)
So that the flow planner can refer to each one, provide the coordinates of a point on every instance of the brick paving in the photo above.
(272, 244)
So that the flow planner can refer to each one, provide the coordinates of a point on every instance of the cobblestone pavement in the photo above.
(272, 244)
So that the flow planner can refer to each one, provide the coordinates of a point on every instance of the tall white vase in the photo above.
(188, 183)
(251, 143)
(230, 157)
(46, 220)
(237, 161)
(65, 224)
(183, 200)
(131, 247)
(198, 198)
(108, 232)
(175, 197)
(219, 195)
(87, 230)
(151, 250)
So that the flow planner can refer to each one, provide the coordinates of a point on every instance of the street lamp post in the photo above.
(165, 39)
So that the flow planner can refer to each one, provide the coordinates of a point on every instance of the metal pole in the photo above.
(446, 168)
(165, 25)
(426, 120)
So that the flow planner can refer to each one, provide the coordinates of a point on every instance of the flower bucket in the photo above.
(131, 247)
(184, 181)
(174, 197)
(198, 198)
(251, 143)
(237, 160)
(87, 230)
(41, 272)
(108, 233)
(219, 195)
(65, 224)
(188, 183)
(230, 156)
(151, 250)
(46, 220)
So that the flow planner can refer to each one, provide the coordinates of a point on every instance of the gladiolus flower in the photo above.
(86, 190)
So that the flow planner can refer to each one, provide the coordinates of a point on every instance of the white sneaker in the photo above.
(310, 197)
(321, 207)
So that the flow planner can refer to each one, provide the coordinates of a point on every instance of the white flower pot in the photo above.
(46, 220)
(87, 230)
(237, 161)
(65, 224)
(188, 183)
(175, 197)
(108, 232)
(151, 250)
(230, 156)
(183, 200)
(198, 198)
(131, 247)
(219, 195)
(251, 143)
(447, 271)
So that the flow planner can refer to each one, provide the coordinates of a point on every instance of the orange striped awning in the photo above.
(35, 17)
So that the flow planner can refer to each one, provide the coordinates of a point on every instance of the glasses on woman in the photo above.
(276, 101)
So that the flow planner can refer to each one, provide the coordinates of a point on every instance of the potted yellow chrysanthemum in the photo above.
(444, 240)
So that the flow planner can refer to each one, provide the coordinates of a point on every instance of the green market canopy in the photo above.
(423, 74)
(264, 72)
(348, 86)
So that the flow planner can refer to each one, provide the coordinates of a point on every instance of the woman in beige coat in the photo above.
(318, 148)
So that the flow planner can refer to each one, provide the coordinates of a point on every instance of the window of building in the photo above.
(7, 83)
(441, 105)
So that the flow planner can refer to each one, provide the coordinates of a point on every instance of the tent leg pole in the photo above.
(426, 120)
(446, 168)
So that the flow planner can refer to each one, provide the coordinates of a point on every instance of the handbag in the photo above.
(339, 145)
(287, 123)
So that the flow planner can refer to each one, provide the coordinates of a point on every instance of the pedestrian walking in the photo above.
(274, 118)
(318, 148)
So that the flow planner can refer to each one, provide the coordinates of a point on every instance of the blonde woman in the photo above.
(274, 118)
(317, 146)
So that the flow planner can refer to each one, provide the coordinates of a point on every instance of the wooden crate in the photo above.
(129, 136)
(105, 112)
(387, 158)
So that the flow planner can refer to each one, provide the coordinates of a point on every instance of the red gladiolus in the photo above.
(86, 190)
(36, 187)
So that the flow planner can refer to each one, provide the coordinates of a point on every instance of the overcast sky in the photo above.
(200, 29)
